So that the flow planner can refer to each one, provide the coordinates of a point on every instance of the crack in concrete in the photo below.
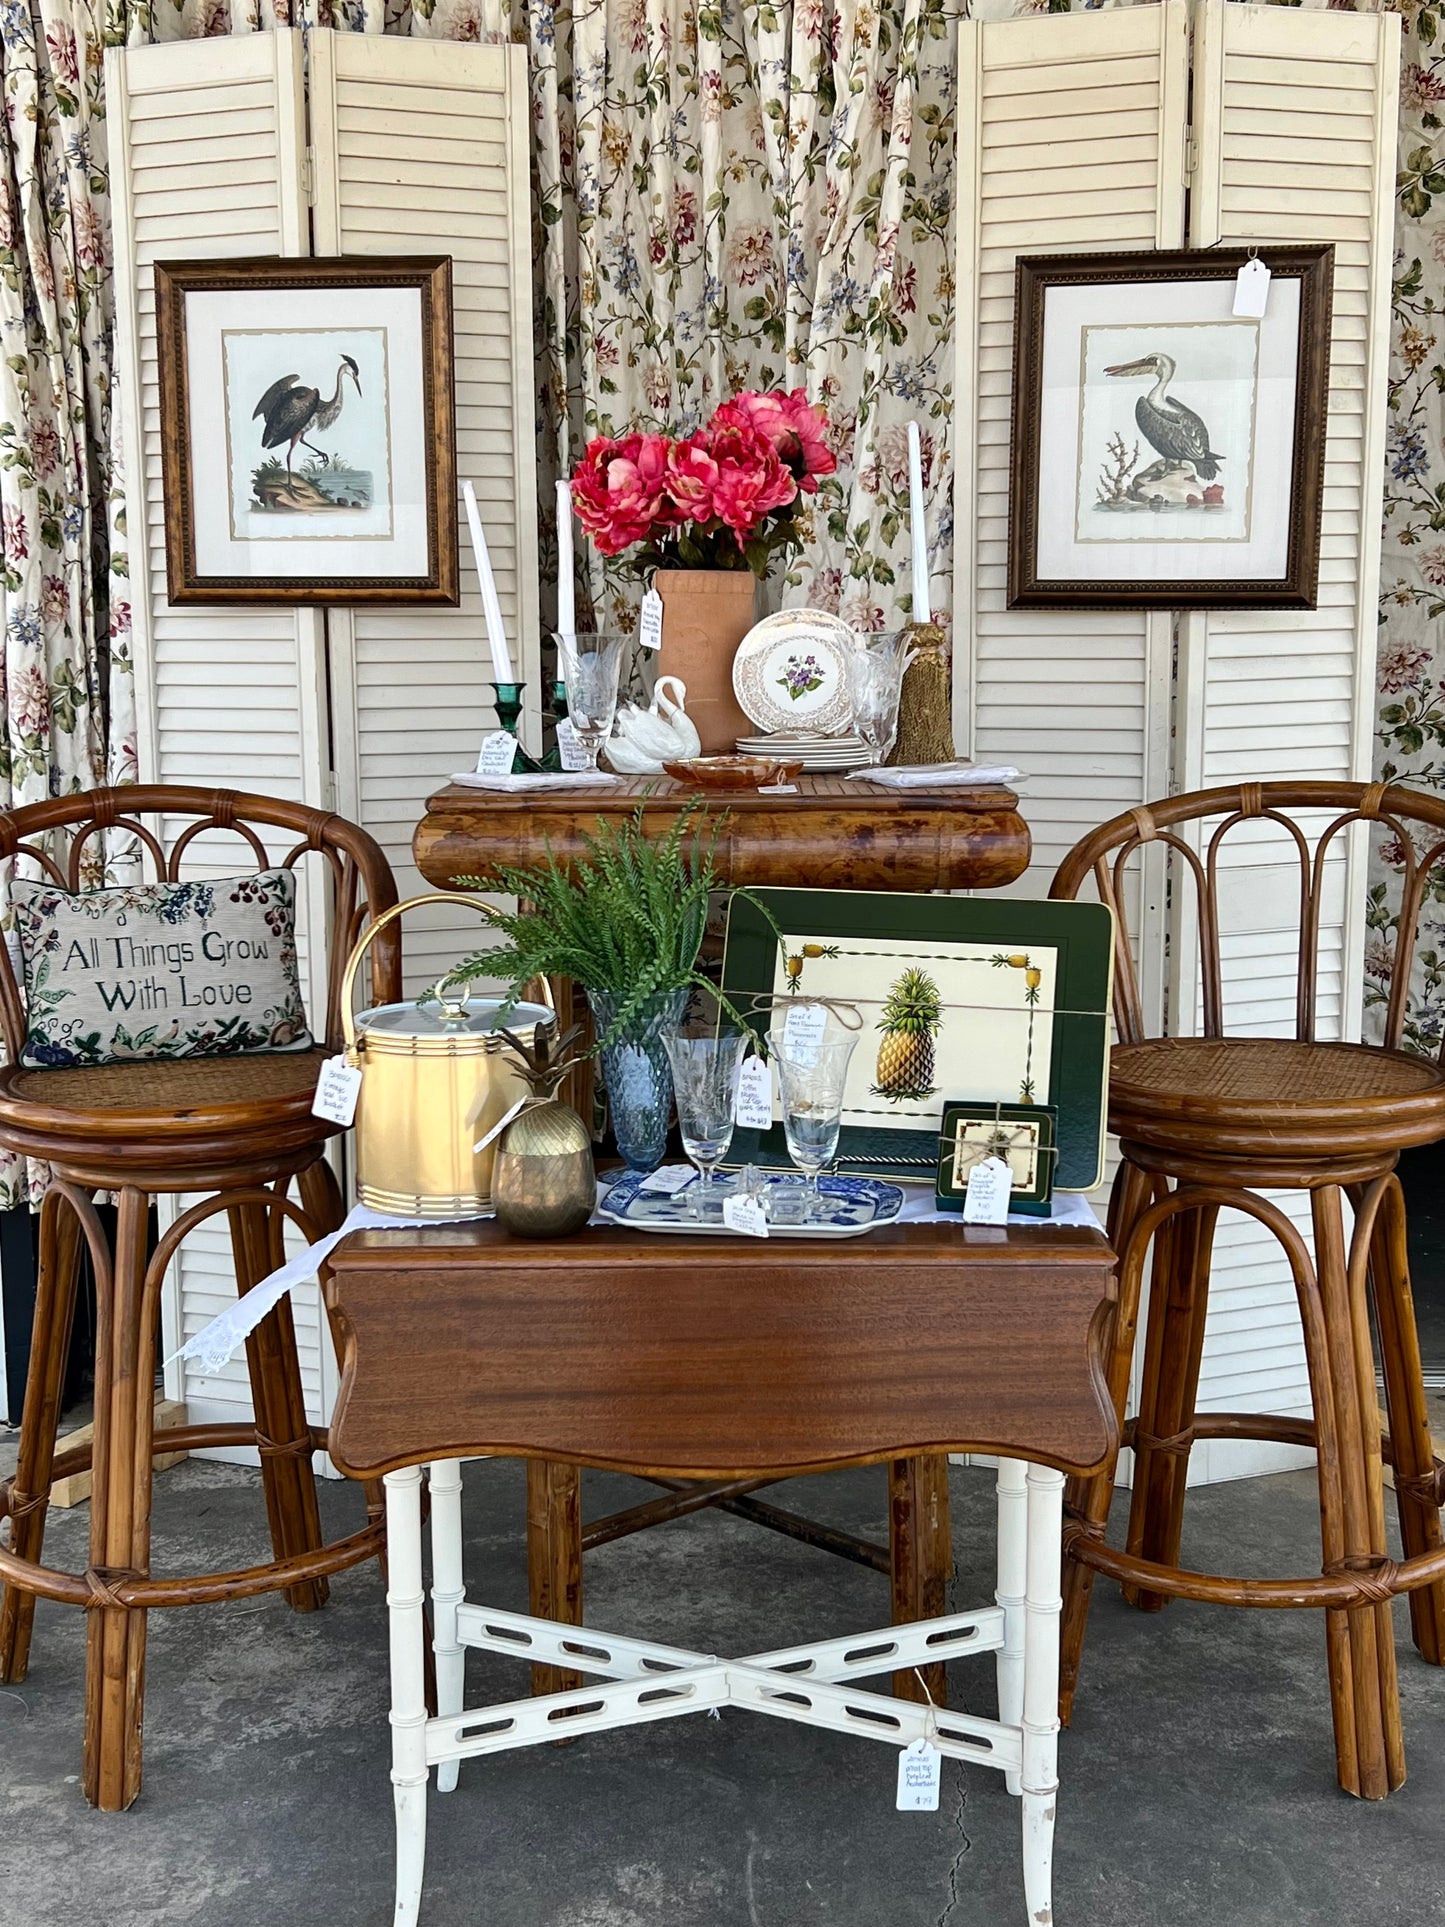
(965, 1848)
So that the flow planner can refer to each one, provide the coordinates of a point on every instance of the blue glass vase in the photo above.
(636, 1073)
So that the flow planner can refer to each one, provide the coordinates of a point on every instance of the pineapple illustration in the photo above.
(912, 1017)
(794, 961)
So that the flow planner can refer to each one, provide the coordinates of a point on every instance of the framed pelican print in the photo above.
(1169, 417)
(308, 441)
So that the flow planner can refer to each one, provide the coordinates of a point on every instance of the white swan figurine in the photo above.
(648, 738)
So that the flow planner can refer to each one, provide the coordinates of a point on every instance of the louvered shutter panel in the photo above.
(207, 151)
(1295, 118)
(1071, 138)
(422, 147)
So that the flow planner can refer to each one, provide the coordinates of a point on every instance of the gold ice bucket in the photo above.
(434, 1079)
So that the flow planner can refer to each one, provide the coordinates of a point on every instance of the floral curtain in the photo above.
(1411, 667)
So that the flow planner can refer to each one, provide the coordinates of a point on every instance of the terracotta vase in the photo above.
(705, 615)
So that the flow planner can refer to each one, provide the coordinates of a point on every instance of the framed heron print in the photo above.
(1168, 438)
(308, 441)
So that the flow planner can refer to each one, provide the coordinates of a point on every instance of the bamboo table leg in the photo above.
(921, 1541)
(554, 1557)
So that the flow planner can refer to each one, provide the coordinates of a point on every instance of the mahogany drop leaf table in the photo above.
(719, 1359)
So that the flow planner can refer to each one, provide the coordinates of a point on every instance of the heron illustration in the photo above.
(1165, 422)
(289, 410)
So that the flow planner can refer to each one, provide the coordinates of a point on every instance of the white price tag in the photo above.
(745, 1214)
(500, 1125)
(650, 632)
(569, 746)
(920, 1775)
(668, 1178)
(754, 1107)
(1251, 289)
(337, 1089)
(987, 1198)
(498, 751)
(803, 1030)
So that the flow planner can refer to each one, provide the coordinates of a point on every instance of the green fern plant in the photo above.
(627, 915)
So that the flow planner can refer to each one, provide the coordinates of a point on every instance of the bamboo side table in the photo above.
(833, 834)
(719, 1359)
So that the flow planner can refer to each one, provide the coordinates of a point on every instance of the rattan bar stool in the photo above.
(1206, 1123)
(238, 1128)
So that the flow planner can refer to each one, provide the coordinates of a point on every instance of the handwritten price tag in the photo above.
(754, 1108)
(745, 1214)
(987, 1199)
(668, 1178)
(569, 746)
(803, 1030)
(498, 751)
(650, 632)
(337, 1089)
(920, 1775)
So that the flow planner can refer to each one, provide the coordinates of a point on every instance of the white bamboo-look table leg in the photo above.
(1012, 1572)
(404, 1599)
(1043, 1606)
(447, 1593)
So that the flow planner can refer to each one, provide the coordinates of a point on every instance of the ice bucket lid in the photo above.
(478, 1019)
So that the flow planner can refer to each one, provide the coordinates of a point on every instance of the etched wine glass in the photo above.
(705, 1070)
(591, 665)
(875, 683)
(812, 1053)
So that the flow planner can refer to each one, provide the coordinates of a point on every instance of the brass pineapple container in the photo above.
(543, 1182)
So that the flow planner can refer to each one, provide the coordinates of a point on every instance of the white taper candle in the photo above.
(491, 607)
(566, 587)
(921, 609)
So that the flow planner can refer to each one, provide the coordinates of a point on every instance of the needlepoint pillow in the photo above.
(159, 970)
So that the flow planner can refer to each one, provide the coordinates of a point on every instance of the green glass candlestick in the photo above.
(508, 701)
(552, 760)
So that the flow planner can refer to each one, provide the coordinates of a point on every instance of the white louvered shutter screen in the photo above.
(1080, 133)
(207, 152)
(428, 146)
(1295, 118)
(416, 148)
(1071, 138)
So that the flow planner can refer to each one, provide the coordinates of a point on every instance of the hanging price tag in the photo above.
(498, 751)
(920, 1775)
(745, 1214)
(668, 1178)
(569, 746)
(337, 1089)
(500, 1125)
(1251, 289)
(650, 633)
(987, 1198)
(754, 1107)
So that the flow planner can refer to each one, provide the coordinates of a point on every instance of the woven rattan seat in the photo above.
(227, 1137)
(1275, 1093)
(1214, 1123)
(177, 1084)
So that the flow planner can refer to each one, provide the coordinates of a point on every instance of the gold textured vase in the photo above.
(543, 1183)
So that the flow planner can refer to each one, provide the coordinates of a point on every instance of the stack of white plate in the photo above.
(808, 748)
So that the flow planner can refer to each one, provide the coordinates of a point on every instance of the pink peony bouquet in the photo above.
(724, 498)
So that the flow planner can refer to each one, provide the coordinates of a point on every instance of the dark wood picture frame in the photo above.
(431, 277)
(1297, 587)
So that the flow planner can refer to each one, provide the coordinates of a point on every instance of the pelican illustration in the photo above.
(289, 410)
(1165, 423)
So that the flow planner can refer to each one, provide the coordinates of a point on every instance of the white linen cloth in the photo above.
(217, 1343)
(938, 776)
(580, 779)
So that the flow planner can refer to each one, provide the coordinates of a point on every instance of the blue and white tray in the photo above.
(856, 1205)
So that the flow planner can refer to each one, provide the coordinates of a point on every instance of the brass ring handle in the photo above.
(368, 936)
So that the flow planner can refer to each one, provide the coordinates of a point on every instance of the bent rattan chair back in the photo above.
(66, 838)
(1415, 821)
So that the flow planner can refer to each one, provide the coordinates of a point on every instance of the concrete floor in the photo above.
(1197, 1791)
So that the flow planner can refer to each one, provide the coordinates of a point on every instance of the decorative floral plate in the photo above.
(791, 672)
(855, 1205)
